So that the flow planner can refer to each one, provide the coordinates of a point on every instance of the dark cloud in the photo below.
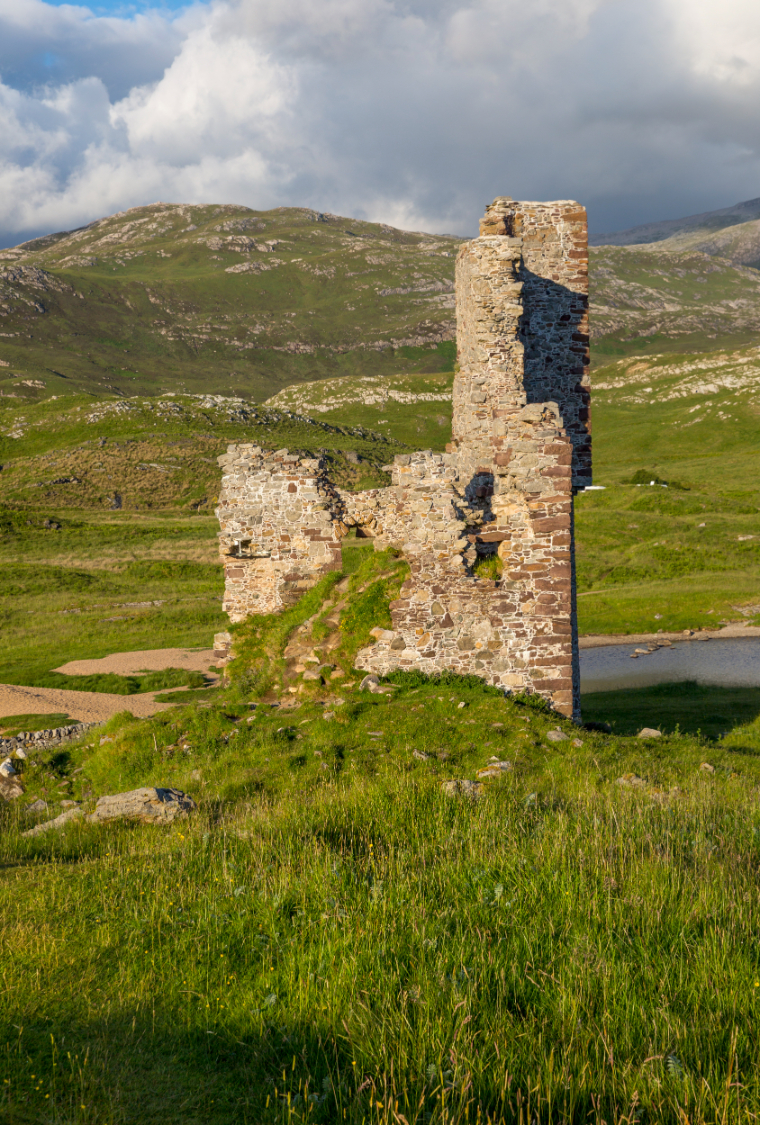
(415, 113)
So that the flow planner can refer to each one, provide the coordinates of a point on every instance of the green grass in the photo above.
(689, 707)
(332, 938)
(122, 685)
(159, 312)
(11, 725)
(105, 583)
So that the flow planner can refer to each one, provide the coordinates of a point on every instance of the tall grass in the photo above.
(332, 938)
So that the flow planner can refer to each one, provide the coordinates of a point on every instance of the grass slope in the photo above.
(228, 300)
(223, 299)
(332, 938)
(650, 557)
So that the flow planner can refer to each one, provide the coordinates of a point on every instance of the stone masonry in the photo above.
(520, 448)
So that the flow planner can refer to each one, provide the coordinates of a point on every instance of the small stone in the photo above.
(21, 753)
(462, 788)
(461, 705)
(649, 732)
(556, 736)
(421, 755)
(370, 683)
(337, 674)
(57, 822)
(70, 804)
(577, 742)
(10, 788)
(707, 767)
(495, 768)
(328, 715)
(105, 738)
(6, 768)
(631, 781)
(38, 806)
(311, 676)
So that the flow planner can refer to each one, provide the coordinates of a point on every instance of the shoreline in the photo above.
(728, 632)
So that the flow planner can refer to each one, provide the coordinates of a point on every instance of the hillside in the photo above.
(423, 905)
(657, 298)
(222, 299)
(704, 225)
(226, 300)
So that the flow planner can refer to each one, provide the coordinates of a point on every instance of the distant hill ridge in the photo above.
(731, 232)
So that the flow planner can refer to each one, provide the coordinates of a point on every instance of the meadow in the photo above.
(331, 937)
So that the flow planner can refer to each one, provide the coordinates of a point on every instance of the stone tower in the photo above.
(520, 449)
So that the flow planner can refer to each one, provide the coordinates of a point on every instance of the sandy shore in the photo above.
(727, 632)
(148, 660)
(84, 706)
(97, 706)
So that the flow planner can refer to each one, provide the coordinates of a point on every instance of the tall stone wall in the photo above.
(520, 446)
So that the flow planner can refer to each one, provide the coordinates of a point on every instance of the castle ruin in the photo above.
(520, 448)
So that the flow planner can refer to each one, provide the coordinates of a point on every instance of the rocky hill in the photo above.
(231, 301)
(222, 299)
(703, 226)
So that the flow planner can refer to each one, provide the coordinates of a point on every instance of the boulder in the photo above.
(649, 732)
(556, 736)
(151, 806)
(6, 768)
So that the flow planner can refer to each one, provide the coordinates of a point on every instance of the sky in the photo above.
(410, 112)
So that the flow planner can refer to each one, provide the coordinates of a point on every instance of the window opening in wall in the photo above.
(354, 548)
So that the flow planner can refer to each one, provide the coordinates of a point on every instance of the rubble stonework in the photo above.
(520, 447)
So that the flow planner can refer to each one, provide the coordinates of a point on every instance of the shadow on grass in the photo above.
(689, 706)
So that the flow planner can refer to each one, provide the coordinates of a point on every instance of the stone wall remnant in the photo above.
(520, 448)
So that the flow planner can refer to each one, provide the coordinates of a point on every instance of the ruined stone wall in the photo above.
(520, 445)
(278, 515)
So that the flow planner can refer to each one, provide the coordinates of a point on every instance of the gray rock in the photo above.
(38, 806)
(6, 768)
(308, 675)
(495, 768)
(556, 736)
(707, 767)
(58, 822)
(151, 806)
(631, 781)
(370, 683)
(421, 755)
(461, 787)
(70, 804)
(649, 732)
(10, 788)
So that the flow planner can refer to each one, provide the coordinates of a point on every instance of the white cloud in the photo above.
(409, 111)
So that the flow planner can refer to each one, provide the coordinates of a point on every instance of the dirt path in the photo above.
(84, 706)
(148, 660)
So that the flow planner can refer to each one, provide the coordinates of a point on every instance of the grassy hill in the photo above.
(334, 937)
(702, 227)
(224, 300)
